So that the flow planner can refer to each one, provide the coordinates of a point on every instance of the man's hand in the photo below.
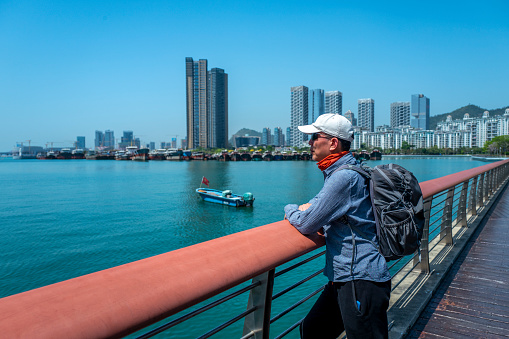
(304, 207)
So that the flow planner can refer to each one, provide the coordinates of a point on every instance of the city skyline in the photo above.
(70, 69)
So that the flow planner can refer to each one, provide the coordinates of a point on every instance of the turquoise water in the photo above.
(63, 219)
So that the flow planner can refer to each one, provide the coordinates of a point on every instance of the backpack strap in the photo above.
(344, 218)
(357, 169)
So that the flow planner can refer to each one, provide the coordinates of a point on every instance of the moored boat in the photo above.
(257, 156)
(267, 156)
(140, 155)
(364, 155)
(375, 155)
(235, 156)
(305, 155)
(197, 156)
(174, 154)
(224, 156)
(158, 154)
(245, 156)
(225, 197)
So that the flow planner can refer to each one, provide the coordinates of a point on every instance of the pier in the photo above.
(458, 278)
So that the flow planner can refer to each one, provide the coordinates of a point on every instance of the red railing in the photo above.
(121, 300)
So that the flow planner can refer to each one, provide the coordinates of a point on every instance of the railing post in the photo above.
(489, 190)
(486, 186)
(462, 206)
(473, 195)
(480, 189)
(446, 226)
(257, 323)
(424, 257)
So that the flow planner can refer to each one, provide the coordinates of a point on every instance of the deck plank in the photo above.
(473, 299)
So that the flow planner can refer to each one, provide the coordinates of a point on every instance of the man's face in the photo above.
(320, 146)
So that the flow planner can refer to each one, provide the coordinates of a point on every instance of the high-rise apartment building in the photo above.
(278, 137)
(266, 136)
(316, 104)
(299, 114)
(350, 116)
(366, 114)
(80, 142)
(419, 110)
(99, 139)
(334, 102)
(400, 114)
(218, 108)
(288, 136)
(206, 105)
(109, 139)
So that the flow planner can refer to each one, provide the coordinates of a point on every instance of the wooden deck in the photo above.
(473, 299)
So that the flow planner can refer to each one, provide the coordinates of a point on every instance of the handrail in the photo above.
(434, 186)
(123, 299)
(126, 298)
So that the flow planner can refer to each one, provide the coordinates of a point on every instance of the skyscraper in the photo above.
(400, 114)
(278, 137)
(420, 111)
(316, 104)
(288, 136)
(218, 108)
(109, 139)
(99, 139)
(366, 114)
(206, 105)
(80, 142)
(299, 114)
(334, 102)
(350, 116)
(266, 140)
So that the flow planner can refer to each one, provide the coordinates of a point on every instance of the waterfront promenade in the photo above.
(473, 299)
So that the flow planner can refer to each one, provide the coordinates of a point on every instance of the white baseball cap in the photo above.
(332, 124)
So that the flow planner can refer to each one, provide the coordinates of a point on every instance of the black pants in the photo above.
(360, 311)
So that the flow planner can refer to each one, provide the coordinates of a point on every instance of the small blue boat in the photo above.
(226, 197)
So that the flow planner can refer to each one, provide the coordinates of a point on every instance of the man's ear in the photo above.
(335, 145)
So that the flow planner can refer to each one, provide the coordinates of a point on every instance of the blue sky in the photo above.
(68, 68)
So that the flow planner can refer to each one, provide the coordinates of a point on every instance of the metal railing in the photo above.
(154, 295)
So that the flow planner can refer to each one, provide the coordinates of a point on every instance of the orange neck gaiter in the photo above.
(330, 159)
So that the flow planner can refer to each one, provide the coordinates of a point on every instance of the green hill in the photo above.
(473, 110)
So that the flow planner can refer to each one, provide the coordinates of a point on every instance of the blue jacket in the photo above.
(344, 193)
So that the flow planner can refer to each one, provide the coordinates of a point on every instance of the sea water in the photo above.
(60, 219)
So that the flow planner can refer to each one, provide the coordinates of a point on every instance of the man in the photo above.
(357, 295)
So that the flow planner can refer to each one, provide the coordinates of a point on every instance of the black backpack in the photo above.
(397, 203)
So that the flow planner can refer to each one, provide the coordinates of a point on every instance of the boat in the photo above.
(186, 155)
(65, 154)
(364, 155)
(225, 197)
(174, 154)
(245, 156)
(197, 156)
(257, 156)
(78, 153)
(225, 156)
(375, 155)
(305, 156)
(277, 156)
(267, 156)
(122, 155)
(50, 155)
(158, 154)
(235, 156)
(141, 155)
